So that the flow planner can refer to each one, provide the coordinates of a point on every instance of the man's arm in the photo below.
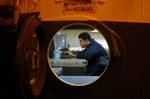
(70, 54)
(87, 54)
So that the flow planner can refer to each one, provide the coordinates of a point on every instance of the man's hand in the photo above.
(70, 54)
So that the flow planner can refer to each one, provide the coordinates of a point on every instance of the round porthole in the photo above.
(78, 54)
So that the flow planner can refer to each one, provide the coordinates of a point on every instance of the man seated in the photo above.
(94, 53)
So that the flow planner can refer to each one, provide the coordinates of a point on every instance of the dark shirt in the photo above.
(96, 56)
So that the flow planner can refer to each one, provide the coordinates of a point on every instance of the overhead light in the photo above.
(95, 30)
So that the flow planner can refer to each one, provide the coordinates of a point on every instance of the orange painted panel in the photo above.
(121, 10)
(111, 10)
(146, 11)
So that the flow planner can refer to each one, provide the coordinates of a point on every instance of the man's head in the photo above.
(84, 39)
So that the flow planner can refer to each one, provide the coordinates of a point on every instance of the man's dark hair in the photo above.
(84, 36)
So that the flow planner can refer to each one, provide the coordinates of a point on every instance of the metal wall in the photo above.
(110, 10)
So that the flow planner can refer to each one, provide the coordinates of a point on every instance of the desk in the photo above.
(71, 66)
(58, 71)
(79, 79)
(69, 62)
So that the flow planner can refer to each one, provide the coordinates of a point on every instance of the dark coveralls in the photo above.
(96, 56)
